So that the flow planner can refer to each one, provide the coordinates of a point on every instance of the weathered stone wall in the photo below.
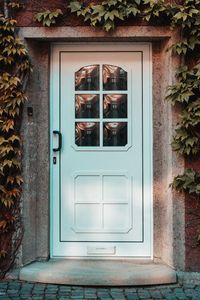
(35, 134)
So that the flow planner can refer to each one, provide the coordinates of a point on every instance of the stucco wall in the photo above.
(169, 212)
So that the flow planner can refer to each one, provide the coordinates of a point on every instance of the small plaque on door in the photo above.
(101, 250)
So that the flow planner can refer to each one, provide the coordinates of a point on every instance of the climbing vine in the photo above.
(188, 182)
(186, 92)
(15, 67)
(48, 17)
(106, 13)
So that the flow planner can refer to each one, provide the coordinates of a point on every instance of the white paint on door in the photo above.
(101, 183)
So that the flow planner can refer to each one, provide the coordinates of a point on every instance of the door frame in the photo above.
(146, 49)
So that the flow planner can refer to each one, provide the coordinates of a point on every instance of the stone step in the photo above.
(98, 272)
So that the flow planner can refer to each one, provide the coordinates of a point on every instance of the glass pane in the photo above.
(87, 106)
(87, 78)
(115, 106)
(114, 78)
(115, 134)
(87, 134)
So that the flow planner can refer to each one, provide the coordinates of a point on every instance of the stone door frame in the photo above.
(169, 223)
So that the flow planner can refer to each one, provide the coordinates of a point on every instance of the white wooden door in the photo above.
(101, 177)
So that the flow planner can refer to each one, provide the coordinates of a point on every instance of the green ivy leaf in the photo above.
(188, 182)
(75, 6)
(48, 17)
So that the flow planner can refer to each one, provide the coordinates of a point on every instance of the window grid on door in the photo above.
(101, 106)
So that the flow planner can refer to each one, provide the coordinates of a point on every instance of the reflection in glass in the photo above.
(114, 78)
(87, 78)
(115, 134)
(87, 106)
(115, 106)
(87, 134)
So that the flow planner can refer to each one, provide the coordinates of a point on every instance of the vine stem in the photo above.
(6, 14)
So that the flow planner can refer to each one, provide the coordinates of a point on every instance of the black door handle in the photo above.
(59, 140)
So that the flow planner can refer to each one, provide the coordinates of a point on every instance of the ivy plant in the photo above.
(107, 13)
(14, 69)
(48, 17)
(158, 11)
(188, 182)
(186, 92)
(187, 17)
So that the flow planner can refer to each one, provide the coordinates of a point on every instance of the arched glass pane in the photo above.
(87, 78)
(87, 133)
(114, 78)
(114, 134)
(87, 106)
(115, 106)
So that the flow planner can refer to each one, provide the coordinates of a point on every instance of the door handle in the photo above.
(59, 140)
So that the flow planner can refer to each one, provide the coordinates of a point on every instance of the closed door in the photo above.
(100, 203)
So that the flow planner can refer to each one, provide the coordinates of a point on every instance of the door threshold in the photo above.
(97, 272)
(143, 259)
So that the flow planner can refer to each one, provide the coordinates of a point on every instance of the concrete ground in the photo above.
(14, 289)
